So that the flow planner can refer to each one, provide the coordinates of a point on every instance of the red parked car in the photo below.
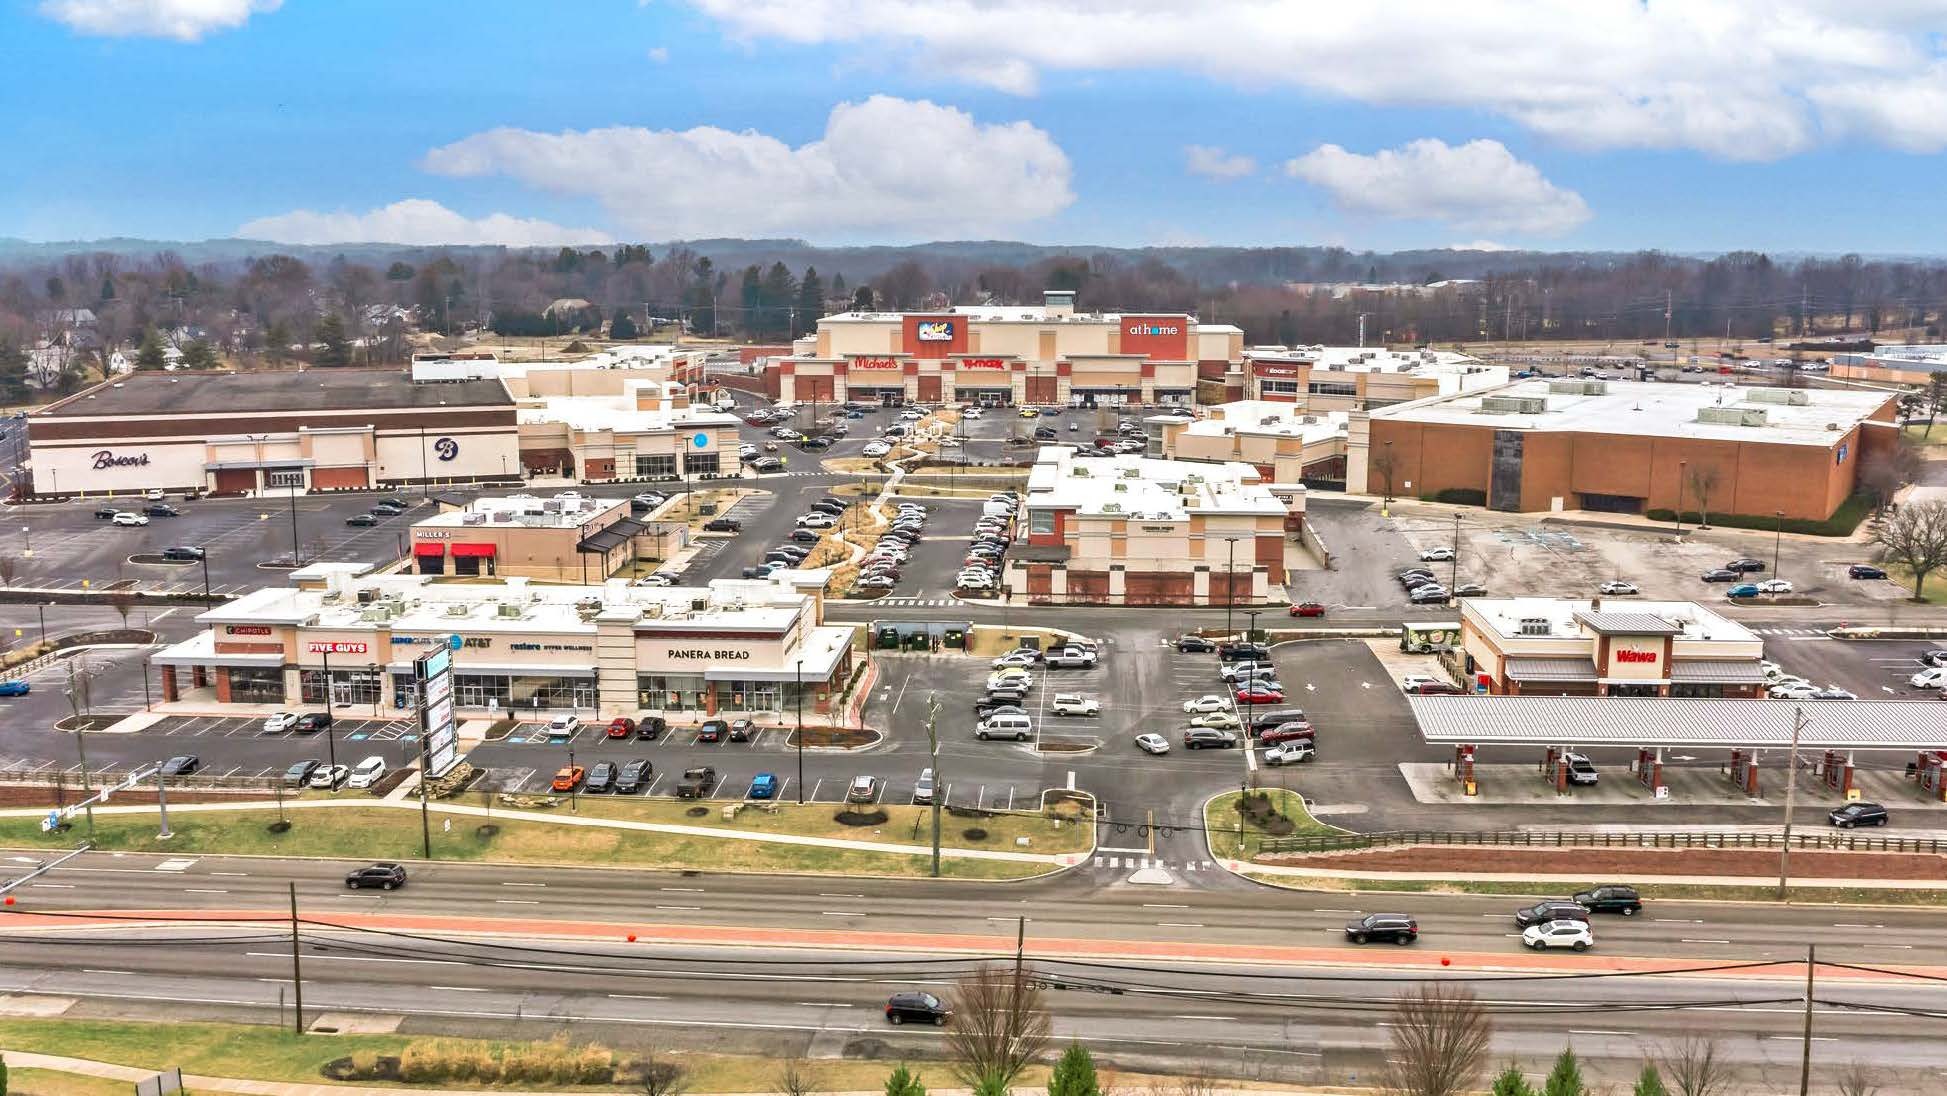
(621, 727)
(1259, 696)
(1308, 609)
(1285, 732)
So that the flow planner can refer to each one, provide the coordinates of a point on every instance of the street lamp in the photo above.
(1389, 472)
(1230, 583)
(1777, 541)
(1453, 575)
(797, 699)
(203, 556)
(1682, 474)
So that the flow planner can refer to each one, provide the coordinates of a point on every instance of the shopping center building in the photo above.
(1001, 354)
(1357, 378)
(523, 647)
(568, 538)
(1284, 442)
(301, 430)
(1130, 530)
(1625, 447)
(1621, 647)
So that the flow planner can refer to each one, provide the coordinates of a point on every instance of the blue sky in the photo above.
(1600, 124)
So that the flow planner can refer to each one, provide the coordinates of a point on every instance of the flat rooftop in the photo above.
(1286, 420)
(523, 511)
(1572, 618)
(617, 413)
(1015, 313)
(1145, 488)
(228, 393)
(1657, 409)
(1366, 359)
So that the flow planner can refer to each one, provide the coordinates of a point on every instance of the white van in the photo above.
(1015, 725)
(996, 509)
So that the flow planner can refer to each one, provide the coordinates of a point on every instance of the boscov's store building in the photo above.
(736, 646)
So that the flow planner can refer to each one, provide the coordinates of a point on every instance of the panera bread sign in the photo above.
(705, 654)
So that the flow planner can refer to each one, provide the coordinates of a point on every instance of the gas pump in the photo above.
(1927, 771)
(1836, 770)
(1463, 768)
(1649, 770)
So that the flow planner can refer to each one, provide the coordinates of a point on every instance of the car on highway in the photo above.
(1208, 738)
(329, 777)
(1290, 753)
(1436, 555)
(182, 553)
(1775, 586)
(129, 517)
(1618, 588)
(1209, 702)
(601, 778)
(917, 1008)
(1396, 928)
(1721, 574)
(1150, 742)
(1859, 814)
(633, 776)
(1260, 692)
(1865, 570)
(313, 722)
(1223, 720)
(362, 520)
(1549, 909)
(1559, 934)
(1075, 704)
(300, 772)
(1743, 589)
(1581, 770)
(181, 765)
(567, 778)
(1611, 899)
(383, 875)
(366, 773)
(564, 727)
(15, 688)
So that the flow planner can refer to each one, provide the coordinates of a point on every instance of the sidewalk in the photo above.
(1241, 867)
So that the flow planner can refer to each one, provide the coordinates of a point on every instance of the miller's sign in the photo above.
(106, 458)
(705, 654)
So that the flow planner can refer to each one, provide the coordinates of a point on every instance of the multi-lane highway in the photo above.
(1248, 982)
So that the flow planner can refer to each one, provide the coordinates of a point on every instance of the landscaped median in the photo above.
(1236, 834)
(605, 831)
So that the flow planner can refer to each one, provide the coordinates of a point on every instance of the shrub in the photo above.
(1458, 496)
(860, 818)
(1841, 524)
(974, 833)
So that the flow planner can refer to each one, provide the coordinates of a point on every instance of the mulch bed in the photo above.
(1595, 863)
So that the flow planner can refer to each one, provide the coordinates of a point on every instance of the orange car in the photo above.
(567, 778)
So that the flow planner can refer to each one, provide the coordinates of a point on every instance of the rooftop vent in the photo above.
(1733, 416)
(1513, 405)
(1789, 397)
(1534, 626)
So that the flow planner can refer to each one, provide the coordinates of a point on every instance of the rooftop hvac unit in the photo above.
(376, 614)
(1513, 405)
(367, 596)
(700, 605)
(458, 609)
(507, 612)
(1534, 626)
(1790, 397)
(1733, 416)
(473, 519)
(551, 506)
(1112, 507)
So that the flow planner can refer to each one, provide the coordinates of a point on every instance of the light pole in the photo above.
(1683, 473)
(797, 700)
(1230, 584)
(1453, 574)
(1389, 473)
(203, 555)
(40, 611)
(1777, 541)
(1250, 692)
(1791, 800)
(296, 559)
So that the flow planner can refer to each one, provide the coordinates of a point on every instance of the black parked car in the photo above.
(805, 536)
(396, 501)
(601, 778)
(183, 553)
(300, 772)
(768, 464)
(712, 730)
(383, 876)
(723, 525)
(988, 705)
(634, 776)
(313, 721)
(1744, 565)
(161, 510)
(650, 726)
(1191, 645)
(1611, 899)
(1201, 738)
(1553, 909)
(742, 730)
(1865, 570)
(1396, 927)
(917, 1008)
(1238, 652)
(1859, 814)
(1722, 574)
(182, 765)
(362, 519)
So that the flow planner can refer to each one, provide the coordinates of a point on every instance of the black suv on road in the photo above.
(1396, 927)
(1859, 814)
(1623, 900)
(1553, 909)
(918, 1008)
(383, 876)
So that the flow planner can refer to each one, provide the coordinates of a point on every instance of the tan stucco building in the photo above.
(1619, 647)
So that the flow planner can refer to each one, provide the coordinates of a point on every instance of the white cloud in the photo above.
(183, 20)
(1215, 163)
(659, 54)
(1741, 79)
(1479, 245)
(1907, 111)
(415, 221)
(883, 169)
(1479, 185)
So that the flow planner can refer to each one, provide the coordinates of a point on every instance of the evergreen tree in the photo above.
(838, 285)
(862, 299)
(199, 355)
(1510, 1082)
(750, 294)
(1074, 1075)
(150, 356)
(13, 373)
(277, 341)
(335, 348)
(622, 328)
(107, 287)
(57, 290)
(1650, 1082)
(780, 299)
(811, 301)
(1566, 1078)
(400, 272)
(903, 1083)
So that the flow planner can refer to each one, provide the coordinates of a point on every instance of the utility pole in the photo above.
(87, 793)
(933, 744)
(1791, 800)
(1805, 1049)
(1230, 585)
(297, 969)
(1453, 575)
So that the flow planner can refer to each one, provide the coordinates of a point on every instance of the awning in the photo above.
(612, 537)
(474, 551)
(428, 548)
(1717, 671)
(200, 650)
(1550, 669)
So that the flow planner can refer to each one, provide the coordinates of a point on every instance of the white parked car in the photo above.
(564, 726)
(1559, 934)
(655, 580)
(747, 452)
(1209, 702)
(876, 449)
(328, 776)
(1618, 588)
(1795, 690)
(1011, 678)
(1413, 681)
(1775, 586)
(877, 582)
(1933, 677)
(912, 414)
(153, 494)
(1075, 704)
(948, 441)
(367, 773)
(282, 721)
(816, 521)
(1022, 659)
(129, 517)
(1436, 555)
(1222, 721)
(971, 413)
(1293, 752)
(1152, 743)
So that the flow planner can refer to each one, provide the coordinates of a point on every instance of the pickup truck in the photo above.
(1070, 658)
(696, 783)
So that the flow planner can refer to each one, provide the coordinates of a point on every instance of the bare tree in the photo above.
(794, 1077)
(1385, 464)
(1916, 538)
(662, 1076)
(1439, 1038)
(9, 567)
(1703, 481)
(999, 1026)
(121, 601)
(1694, 1069)
(1887, 470)
(1856, 1080)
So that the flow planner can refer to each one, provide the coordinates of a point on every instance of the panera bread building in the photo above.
(232, 433)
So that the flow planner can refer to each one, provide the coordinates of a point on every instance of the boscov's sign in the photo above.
(704, 654)
(108, 458)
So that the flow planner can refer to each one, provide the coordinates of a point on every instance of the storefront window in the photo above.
(256, 685)
(699, 464)
(347, 686)
(750, 696)
(1278, 388)
(1334, 388)
(656, 465)
(671, 692)
(286, 477)
(1699, 690)
(1041, 521)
